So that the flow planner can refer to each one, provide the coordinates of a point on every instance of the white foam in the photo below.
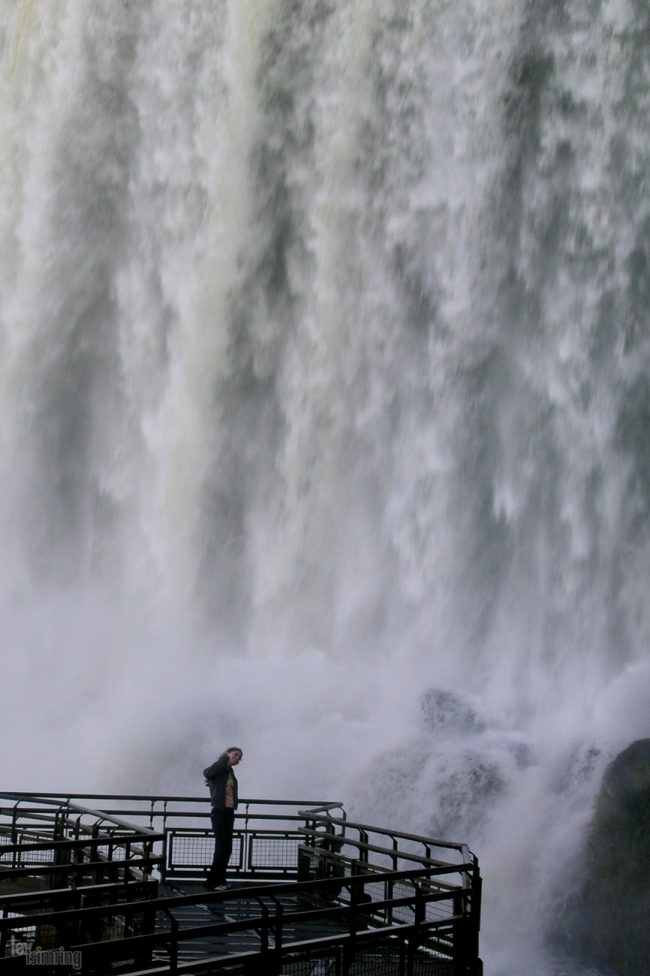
(321, 386)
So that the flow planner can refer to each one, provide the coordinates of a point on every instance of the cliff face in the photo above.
(616, 907)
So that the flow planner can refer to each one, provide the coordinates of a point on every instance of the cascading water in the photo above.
(324, 362)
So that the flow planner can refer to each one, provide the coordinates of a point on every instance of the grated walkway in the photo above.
(236, 907)
(233, 907)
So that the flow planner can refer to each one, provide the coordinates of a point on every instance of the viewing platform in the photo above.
(114, 884)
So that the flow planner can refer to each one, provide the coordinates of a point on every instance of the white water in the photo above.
(324, 369)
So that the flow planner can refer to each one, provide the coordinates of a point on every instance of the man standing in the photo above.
(223, 795)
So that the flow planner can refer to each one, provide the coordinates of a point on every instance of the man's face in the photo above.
(234, 756)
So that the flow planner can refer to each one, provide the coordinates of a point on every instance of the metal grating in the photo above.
(383, 959)
(273, 850)
(26, 858)
(187, 850)
(191, 850)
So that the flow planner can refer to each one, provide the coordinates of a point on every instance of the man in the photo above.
(223, 795)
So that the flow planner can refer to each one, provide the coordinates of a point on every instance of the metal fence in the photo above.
(314, 893)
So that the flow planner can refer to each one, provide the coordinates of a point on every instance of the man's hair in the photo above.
(235, 749)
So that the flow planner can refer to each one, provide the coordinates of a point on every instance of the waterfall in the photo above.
(324, 398)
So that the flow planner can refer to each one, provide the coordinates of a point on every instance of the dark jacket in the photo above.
(216, 777)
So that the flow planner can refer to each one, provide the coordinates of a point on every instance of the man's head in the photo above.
(234, 754)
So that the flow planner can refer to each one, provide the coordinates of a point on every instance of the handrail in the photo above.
(72, 868)
(462, 848)
(115, 840)
(266, 921)
(67, 803)
(409, 856)
(13, 901)
(271, 891)
(166, 798)
(363, 875)
(310, 810)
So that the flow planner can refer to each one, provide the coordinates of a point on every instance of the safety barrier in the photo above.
(115, 884)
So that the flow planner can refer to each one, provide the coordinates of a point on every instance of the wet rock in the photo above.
(442, 711)
(616, 900)
(466, 786)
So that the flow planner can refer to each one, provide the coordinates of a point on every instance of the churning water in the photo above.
(324, 411)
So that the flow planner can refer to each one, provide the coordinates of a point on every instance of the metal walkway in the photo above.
(119, 885)
(235, 907)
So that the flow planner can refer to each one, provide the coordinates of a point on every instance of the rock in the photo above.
(616, 902)
(443, 711)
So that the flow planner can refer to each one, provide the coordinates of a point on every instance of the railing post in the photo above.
(350, 948)
(164, 852)
(411, 947)
(245, 852)
(146, 857)
(265, 926)
(415, 937)
(466, 961)
(4, 936)
(460, 947)
(278, 937)
(169, 850)
(467, 927)
(363, 853)
(474, 922)
(14, 824)
(389, 887)
(304, 861)
(173, 944)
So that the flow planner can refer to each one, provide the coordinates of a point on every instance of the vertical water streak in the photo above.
(324, 360)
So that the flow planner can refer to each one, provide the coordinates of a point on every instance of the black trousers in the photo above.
(222, 824)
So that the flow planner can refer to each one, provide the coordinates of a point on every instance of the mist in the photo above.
(324, 400)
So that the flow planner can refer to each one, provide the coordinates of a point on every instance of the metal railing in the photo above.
(55, 838)
(335, 897)
(60, 855)
(266, 836)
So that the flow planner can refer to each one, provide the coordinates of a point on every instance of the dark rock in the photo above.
(522, 753)
(442, 711)
(616, 899)
(466, 790)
